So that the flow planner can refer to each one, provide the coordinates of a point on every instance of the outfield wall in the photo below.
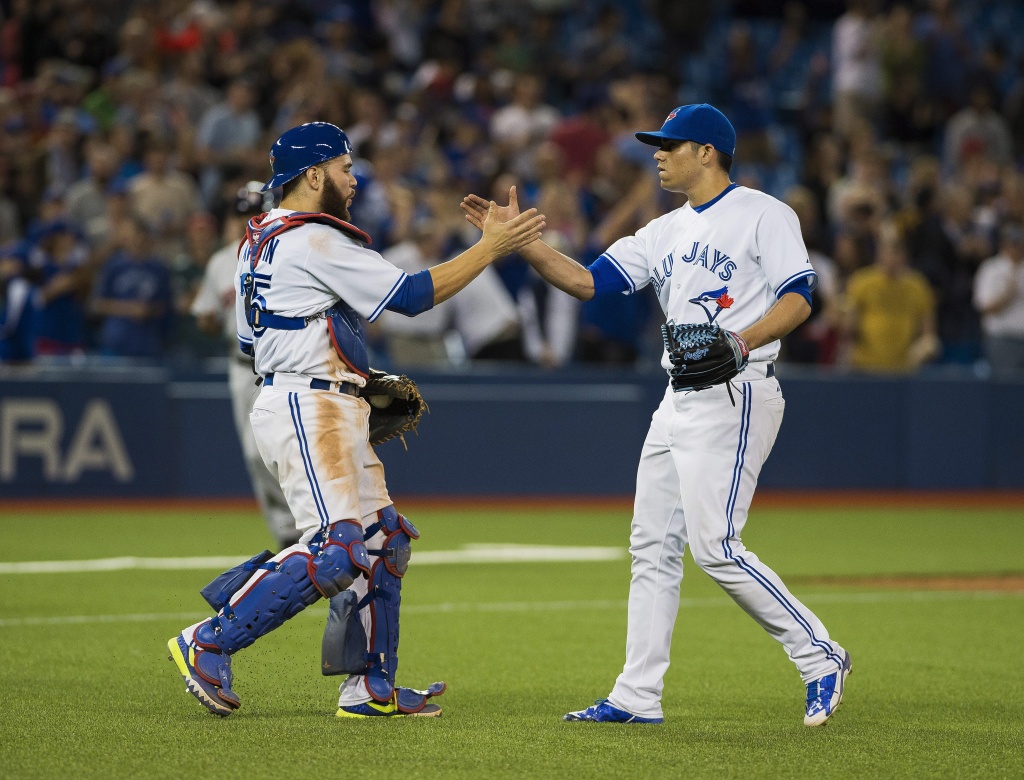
(143, 433)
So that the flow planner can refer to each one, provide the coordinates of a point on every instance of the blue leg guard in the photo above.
(385, 602)
(298, 579)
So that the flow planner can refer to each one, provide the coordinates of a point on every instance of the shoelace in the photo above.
(819, 690)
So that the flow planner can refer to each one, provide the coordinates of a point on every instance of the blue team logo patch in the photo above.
(713, 299)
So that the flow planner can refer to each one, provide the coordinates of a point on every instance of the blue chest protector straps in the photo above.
(348, 337)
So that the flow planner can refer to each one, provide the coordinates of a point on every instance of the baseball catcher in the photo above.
(307, 281)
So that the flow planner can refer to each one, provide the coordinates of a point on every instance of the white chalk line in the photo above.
(470, 553)
(890, 597)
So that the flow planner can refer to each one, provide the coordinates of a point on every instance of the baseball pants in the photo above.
(315, 442)
(697, 474)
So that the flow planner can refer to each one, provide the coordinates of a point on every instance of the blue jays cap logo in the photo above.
(718, 298)
(672, 115)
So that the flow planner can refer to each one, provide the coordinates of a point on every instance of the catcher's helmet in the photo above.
(303, 147)
(252, 199)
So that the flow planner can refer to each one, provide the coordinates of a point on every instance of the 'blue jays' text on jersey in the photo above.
(302, 273)
(723, 262)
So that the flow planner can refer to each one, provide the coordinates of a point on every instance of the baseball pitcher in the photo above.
(733, 277)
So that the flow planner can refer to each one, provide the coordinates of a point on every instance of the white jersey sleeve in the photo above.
(780, 247)
(630, 256)
(993, 279)
(207, 301)
(358, 275)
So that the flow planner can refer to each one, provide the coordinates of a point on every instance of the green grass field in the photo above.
(87, 691)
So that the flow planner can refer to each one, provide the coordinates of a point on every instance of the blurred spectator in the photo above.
(163, 197)
(947, 247)
(187, 93)
(601, 52)
(86, 198)
(483, 315)
(949, 53)
(10, 216)
(384, 205)
(62, 150)
(750, 96)
(911, 116)
(999, 297)
(346, 59)
(420, 340)
(15, 309)
(487, 320)
(822, 169)
(133, 296)
(524, 122)
(978, 130)
(612, 327)
(816, 340)
(58, 261)
(228, 135)
(550, 316)
(188, 268)
(890, 311)
(856, 66)
(1013, 109)
(579, 137)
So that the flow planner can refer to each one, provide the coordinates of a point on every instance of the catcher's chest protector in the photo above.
(346, 330)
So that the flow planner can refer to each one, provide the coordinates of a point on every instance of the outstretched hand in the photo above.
(510, 235)
(476, 208)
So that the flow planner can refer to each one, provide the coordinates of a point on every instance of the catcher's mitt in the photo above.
(702, 355)
(396, 406)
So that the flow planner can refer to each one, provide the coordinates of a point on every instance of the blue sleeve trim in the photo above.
(802, 287)
(414, 296)
(608, 277)
(794, 277)
(245, 346)
(387, 298)
(630, 285)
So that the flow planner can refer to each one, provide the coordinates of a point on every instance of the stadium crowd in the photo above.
(895, 130)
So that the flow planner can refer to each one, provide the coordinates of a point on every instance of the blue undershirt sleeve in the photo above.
(415, 295)
(607, 278)
(802, 287)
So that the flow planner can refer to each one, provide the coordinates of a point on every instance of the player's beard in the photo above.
(332, 201)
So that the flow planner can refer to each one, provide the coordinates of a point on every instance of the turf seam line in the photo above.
(544, 606)
(470, 553)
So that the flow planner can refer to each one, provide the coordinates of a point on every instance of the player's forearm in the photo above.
(787, 313)
(451, 277)
(559, 270)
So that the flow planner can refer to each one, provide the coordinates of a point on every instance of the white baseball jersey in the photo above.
(995, 276)
(304, 272)
(723, 262)
(217, 291)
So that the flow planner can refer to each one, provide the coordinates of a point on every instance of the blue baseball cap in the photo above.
(698, 122)
(303, 147)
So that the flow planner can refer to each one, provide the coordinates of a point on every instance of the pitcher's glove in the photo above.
(396, 406)
(702, 355)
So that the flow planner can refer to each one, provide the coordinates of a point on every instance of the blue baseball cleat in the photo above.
(603, 712)
(207, 675)
(824, 695)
